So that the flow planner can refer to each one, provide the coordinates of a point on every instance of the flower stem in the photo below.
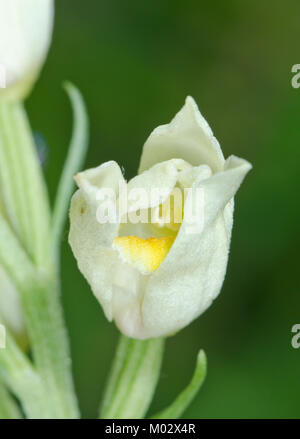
(48, 338)
(26, 255)
(133, 378)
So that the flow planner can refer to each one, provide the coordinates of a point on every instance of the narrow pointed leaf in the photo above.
(183, 400)
(75, 159)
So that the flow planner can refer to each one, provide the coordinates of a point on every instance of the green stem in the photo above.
(49, 341)
(25, 253)
(44, 321)
(8, 407)
(133, 378)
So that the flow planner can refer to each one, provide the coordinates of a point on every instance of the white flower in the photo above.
(154, 279)
(25, 35)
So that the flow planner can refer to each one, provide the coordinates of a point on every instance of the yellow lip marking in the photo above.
(144, 254)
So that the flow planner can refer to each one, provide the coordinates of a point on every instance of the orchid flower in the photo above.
(154, 278)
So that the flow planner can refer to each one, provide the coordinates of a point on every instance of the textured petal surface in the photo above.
(91, 241)
(188, 136)
(192, 274)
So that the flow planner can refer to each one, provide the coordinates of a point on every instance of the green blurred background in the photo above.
(135, 62)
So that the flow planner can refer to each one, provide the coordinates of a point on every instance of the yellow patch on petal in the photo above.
(144, 254)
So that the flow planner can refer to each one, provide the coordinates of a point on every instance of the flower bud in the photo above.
(25, 35)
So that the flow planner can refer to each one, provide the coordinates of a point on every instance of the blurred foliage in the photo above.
(135, 62)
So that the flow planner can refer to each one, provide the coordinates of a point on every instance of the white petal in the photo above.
(162, 176)
(128, 290)
(187, 136)
(91, 241)
(187, 177)
(192, 274)
(222, 186)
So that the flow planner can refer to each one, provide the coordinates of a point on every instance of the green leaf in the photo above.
(75, 159)
(183, 400)
(23, 381)
(133, 378)
(13, 257)
(22, 187)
